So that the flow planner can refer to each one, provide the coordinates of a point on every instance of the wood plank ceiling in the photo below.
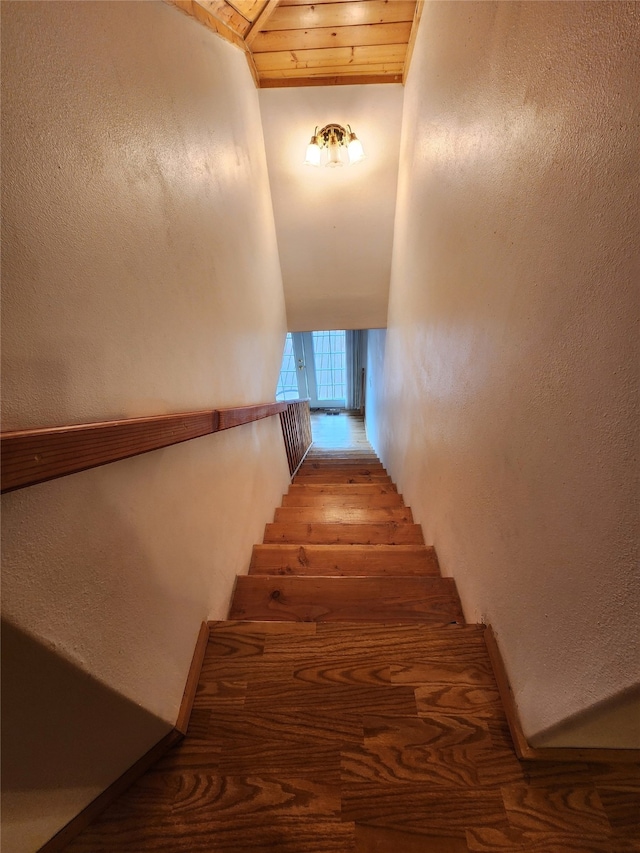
(324, 43)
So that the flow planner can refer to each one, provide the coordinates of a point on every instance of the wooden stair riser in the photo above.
(343, 515)
(350, 458)
(344, 560)
(431, 601)
(337, 478)
(301, 499)
(357, 448)
(345, 534)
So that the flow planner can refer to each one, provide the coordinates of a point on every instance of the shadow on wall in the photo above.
(65, 737)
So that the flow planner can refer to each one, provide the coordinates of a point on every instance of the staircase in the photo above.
(343, 548)
(345, 707)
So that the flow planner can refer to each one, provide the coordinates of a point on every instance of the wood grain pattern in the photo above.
(306, 44)
(195, 10)
(359, 476)
(259, 21)
(387, 642)
(358, 599)
(417, 807)
(249, 9)
(344, 560)
(330, 37)
(240, 415)
(320, 754)
(343, 489)
(318, 451)
(316, 463)
(340, 14)
(227, 13)
(305, 497)
(370, 839)
(37, 455)
(110, 795)
(447, 698)
(339, 75)
(332, 59)
(510, 840)
(373, 736)
(388, 533)
(342, 514)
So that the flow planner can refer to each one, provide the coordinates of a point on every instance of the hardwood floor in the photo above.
(357, 713)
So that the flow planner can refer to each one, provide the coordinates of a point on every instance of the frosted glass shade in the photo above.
(355, 150)
(313, 154)
(334, 155)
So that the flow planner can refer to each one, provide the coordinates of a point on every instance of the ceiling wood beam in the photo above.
(249, 9)
(260, 21)
(343, 57)
(228, 14)
(323, 37)
(340, 14)
(290, 42)
(326, 80)
(207, 19)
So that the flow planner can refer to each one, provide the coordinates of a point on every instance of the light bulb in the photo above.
(355, 149)
(313, 153)
(334, 153)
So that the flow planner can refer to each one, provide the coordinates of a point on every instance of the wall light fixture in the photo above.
(328, 144)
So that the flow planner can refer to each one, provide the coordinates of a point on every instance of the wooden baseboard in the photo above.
(97, 806)
(520, 743)
(186, 706)
(171, 739)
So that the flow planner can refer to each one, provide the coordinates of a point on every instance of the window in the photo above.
(314, 366)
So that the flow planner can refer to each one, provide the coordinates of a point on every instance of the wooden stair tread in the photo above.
(389, 533)
(302, 498)
(341, 465)
(343, 452)
(343, 456)
(360, 599)
(337, 461)
(356, 713)
(352, 560)
(346, 462)
(299, 729)
(343, 514)
(341, 471)
(341, 477)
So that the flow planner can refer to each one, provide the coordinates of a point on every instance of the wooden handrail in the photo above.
(34, 456)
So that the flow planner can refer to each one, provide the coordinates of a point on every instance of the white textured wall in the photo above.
(334, 225)
(510, 387)
(140, 276)
(374, 414)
